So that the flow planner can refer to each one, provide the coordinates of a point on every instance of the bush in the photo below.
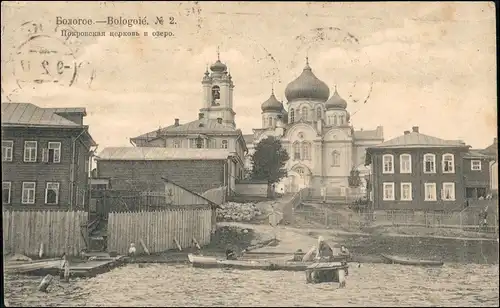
(232, 211)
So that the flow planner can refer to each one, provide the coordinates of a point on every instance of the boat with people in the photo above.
(409, 261)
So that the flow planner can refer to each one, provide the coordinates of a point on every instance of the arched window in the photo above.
(448, 163)
(224, 144)
(388, 161)
(305, 113)
(199, 142)
(292, 115)
(405, 163)
(318, 113)
(300, 171)
(296, 150)
(334, 119)
(335, 159)
(215, 95)
(341, 119)
(306, 150)
(270, 121)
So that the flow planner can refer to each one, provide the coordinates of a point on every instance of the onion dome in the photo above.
(272, 104)
(218, 67)
(307, 86)
(336, 102)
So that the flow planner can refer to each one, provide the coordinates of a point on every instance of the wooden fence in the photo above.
(59, 231)
(158, 229)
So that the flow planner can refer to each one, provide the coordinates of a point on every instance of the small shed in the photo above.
(177, 195)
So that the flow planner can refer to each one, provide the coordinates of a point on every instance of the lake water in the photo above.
(181, 285)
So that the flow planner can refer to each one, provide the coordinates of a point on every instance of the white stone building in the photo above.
(315, 129)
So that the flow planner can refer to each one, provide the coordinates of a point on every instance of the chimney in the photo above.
(219, 120)
(200, 116)
(407, 132)
(176, 123)
(415, 129)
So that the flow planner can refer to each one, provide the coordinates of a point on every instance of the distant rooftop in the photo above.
(200, 126)
(157, 153)
(415, 139)
(31, 115)
(376, 134)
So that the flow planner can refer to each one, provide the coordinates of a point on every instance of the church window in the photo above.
(296, 150)
(300, 171)
(270, 121)
(335, 159)
(199, 142)
(318, 113)
(177, 144)
(305, 113)
(215, 95)
(341, 118)
(224, 144)
(334, 119)
(306, 150)
(292, 115)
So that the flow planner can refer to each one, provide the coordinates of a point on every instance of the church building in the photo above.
(316, 131)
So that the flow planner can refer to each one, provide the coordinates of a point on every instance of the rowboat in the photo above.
(408, 261)
(24, 267)
(268, 265)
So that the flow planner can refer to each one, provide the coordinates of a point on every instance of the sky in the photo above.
(398, 64)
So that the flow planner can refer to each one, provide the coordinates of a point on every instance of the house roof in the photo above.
(69, 110)
(156, 153)
(491, 150)
(213, 204)
(418, 140)
(368, 134)
(476, 154)
(31, 115)
(200, 126)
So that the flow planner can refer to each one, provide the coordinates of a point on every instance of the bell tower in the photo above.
(218, 94)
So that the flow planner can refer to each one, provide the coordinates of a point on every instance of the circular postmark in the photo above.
(44, 59)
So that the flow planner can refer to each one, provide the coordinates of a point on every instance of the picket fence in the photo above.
(59, 231)
(158, 229)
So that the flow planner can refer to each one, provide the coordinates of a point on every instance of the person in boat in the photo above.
(230, 255)
(320, 252)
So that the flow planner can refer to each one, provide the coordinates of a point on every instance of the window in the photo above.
(300, 171)
(54, 152)
(406, 192)
(52, 193)
(28, 196)
(341, 118)
(388, 163)
(475, 165)
(211, 143)
(305, 113)
(199, 142)
(334, 119)
(388, 191)
(306, 149)
(192, 143)
(270, 121)
(215, 95)
(223, 145)
(429, 163)
(448, 163)
(292, 115)
(318, 113)
(7, 146)
(30, 148)
(335, 159)
(405, 163)
(448, 192)
(296, 150)
(430, 191)
(177, 144)
(6, 190)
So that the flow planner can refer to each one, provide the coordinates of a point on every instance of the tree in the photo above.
(268, 161)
